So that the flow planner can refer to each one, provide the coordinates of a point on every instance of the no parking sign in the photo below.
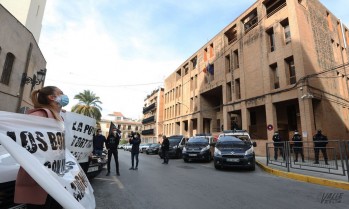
(270, 127)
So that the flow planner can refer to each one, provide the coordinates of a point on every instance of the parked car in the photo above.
(153, 149)
(96, 164)
(127, 147)
(198, 148)
(143, 147)
(234, 150)
(177, 142)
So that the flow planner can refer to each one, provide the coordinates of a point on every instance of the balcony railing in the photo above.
(148, 132)
(150, 107)
(148, 120)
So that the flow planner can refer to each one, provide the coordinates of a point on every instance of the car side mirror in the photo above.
(254, 144)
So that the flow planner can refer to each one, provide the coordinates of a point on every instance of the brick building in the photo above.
(153, 117)
(281, 64)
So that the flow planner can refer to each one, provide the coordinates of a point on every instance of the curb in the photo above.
(304, 178)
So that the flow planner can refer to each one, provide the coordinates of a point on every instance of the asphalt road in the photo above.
(180, 185)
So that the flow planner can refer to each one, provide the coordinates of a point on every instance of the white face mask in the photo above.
(295, 132)
(114, 132)
(100, 133)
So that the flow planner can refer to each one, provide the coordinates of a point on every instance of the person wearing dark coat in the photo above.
(112, 147)
(165, 147)
(135, 141)
(297, 146)
(98, 143)
(320, 142)
(278, 146)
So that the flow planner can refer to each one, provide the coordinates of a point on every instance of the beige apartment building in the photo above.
(22, 64)
(153, 117)
(281, 65)
(125, 125)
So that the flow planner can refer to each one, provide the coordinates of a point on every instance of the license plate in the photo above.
(92, 169)
(233, 160)
(192, 155)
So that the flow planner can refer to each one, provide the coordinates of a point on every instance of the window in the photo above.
(179, 74)
(231, 35)
(237, 89)
(6, 73)
(211, 50)
(274, 76)
(205, 54)
(194, 62)
(329, 21)
(186, 69)
(227, 64)
(236, 59)
(250, 21)
(253, 118)
(287, 31)
(291, 70)
(229, 97)
(271, 39)
(273, 6)
(195, 81)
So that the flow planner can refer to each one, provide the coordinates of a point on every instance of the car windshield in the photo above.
(233, 140)
(154, 145)
(198, 140)
(175, 139)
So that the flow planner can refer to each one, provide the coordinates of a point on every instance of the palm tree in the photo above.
(88, 105)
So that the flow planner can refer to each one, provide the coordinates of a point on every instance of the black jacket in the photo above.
(98, 142)
(297, 139)
(320, 140)
(165, 146)
(112, 142)
(135, 141)
(277, 141)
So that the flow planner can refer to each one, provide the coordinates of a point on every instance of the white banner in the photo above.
(46, 158)
(79, 131)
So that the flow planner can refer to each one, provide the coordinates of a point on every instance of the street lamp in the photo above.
(184, 105)
(36, 80)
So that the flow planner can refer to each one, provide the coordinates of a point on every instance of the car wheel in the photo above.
(218, 167)
(253, 167)
(185, 160)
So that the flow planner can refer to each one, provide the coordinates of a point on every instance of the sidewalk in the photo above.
(325, 179)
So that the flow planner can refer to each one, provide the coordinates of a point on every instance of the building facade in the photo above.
(281, 65)
(29, 12)
(125, 125)
(153, 117)
(20, 61)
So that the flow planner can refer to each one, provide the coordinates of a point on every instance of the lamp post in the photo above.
(36, 80)
(183, 105)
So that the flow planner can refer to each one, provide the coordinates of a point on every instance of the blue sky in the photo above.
(123, 49)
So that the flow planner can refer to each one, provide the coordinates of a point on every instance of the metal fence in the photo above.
(331, 158)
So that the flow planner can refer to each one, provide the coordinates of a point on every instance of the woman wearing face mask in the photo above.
(48, 103)
(112, 147)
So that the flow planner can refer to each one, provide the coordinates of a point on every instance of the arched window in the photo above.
(6, 73)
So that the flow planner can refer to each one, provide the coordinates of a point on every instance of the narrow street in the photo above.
(199, 185)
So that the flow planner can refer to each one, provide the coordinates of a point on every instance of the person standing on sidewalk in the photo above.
(165, 147)
(112, 147)
(278, 145)
(135, 141)
(297, 146)
(320, 142)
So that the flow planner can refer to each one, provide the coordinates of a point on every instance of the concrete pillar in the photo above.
(245, 117)
(307, 118)
(190, 128)
(271, 116)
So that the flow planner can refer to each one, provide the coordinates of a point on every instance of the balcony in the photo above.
(149, 108)
(148, 120)
(148, 132)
